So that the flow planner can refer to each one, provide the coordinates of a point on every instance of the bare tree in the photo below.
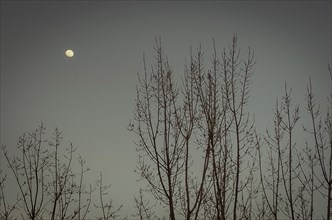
(61, 175)
(186, 119)
(189, 120)
(65, 187)
(144, 209)
(237, 81)
(208, 113)
(271, 178)
(307, 163)
(83, 192)
(207, 88)
(321, 130)
(287, 168)
(107, 208)
(6, 209)
(29, 171)
(47, 183)
(159, 144)
(278, 184)
(230, 129)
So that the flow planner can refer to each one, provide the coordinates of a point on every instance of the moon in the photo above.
(69, 53)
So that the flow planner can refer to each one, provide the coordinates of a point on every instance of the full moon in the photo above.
(69, 53)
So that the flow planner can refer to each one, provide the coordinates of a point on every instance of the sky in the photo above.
(91, 96)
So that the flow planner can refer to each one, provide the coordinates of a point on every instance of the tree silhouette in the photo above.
(157, 131)
(321, 131)
(29, 171)
(206, 112)
(48, 185)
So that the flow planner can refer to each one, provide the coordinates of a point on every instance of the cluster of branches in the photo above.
(49, 187)
(207, 115)
(298, 178)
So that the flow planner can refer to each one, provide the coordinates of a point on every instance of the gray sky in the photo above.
(91, 96)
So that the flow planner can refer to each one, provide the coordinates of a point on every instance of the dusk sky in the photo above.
(91, 96)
